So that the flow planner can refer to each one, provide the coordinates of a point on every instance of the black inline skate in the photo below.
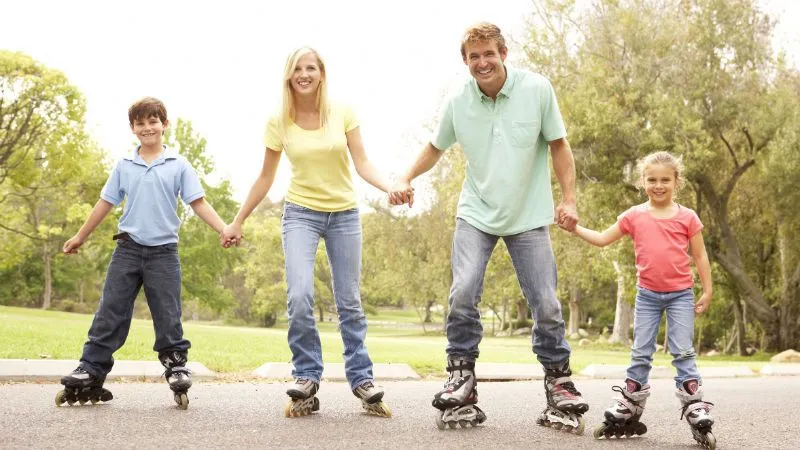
(178, 376)
(80, 387)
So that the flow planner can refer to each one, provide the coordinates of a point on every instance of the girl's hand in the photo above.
(231, 235)
(703, 304)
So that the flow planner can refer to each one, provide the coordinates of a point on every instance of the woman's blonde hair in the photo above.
(665, 159)
(288, 110)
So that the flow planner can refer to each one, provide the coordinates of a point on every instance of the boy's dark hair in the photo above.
(145, 108)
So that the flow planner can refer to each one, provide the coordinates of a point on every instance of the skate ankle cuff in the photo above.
(461, 365)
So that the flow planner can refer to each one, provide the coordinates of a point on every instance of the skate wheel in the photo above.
(182, 400)
(558, 425)
(581, 426)
(463, 423)
(70, 401)
(452, 425)
(60, 398)
(711, 441)
(95, 401)
(82, 401)
(384, 410)
(599, 431)
(440, 423)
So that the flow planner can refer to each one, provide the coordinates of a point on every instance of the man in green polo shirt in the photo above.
(504, 119)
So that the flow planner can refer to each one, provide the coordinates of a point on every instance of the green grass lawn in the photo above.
(33, 334)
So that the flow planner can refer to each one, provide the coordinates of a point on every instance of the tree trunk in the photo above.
(789, 310)
(574, 311)
(428, 313)
(740, 326)
(48, 276)
(522, 313)
(622, 316)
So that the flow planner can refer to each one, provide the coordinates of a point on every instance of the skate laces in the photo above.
(565, 384)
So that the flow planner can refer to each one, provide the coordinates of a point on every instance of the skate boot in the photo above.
(178, 376)
(303, 398)
(458, 399)
(80, 386)
(565, 406)
(371, 399)
(622, 418)
(697, 413)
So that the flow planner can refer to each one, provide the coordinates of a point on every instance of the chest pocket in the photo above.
(524, 133)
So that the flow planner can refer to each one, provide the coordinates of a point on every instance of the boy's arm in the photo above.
(609, 236)
(99, 212)
(206, 212)
(698, 249)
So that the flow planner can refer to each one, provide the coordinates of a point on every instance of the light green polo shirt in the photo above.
(507, 186)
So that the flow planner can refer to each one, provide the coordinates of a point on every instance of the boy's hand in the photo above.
(231, 235)
(72, 245)
(702, 305)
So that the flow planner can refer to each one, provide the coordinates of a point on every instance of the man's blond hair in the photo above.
(483, 32)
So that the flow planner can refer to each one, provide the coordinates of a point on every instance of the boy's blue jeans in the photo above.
(132, 266)
(650, 305)
(302, 230)
(534, 263)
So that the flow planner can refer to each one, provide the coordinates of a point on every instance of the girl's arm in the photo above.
(610, 235)
(364, 166)
(233, 231)
(698, 250)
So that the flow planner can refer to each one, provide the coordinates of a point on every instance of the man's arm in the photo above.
(402, 192)
(564, 166)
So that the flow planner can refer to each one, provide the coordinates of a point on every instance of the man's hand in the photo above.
(567, 216)
(401, 193)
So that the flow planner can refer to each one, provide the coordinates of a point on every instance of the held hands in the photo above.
(401, 193)
(231, 235)
(72, 245)
(703, 304)
(567, 216)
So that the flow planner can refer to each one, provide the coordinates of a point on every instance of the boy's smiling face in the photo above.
(149, 130)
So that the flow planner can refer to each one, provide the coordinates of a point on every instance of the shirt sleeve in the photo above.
(552, 123)
(191, 188)
(350, 119)
(625, 222)
(694, 225)
(445, 135)
(273, 135)
(112, 192)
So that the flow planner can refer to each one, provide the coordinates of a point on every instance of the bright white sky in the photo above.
(219, 64)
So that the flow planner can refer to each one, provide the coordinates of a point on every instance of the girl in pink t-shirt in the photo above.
(663, 233)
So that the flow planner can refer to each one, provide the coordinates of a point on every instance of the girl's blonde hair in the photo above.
(666, 159)
(288, 109)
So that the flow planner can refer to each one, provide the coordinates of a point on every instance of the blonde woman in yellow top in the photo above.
(319, 138)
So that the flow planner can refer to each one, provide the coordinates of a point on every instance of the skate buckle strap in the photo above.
(694, 406)
(177, 369)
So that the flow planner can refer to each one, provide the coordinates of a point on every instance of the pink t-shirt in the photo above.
(661, 245)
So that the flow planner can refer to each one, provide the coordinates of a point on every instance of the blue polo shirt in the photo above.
(150, 215)
(507, 186)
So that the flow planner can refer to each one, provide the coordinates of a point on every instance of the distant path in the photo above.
(751, 413)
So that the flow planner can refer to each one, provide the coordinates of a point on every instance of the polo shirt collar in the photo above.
(169, 153)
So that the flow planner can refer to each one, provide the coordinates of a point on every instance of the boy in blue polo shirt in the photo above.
(150, 179)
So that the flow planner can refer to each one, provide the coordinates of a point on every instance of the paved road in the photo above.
(750, 413)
